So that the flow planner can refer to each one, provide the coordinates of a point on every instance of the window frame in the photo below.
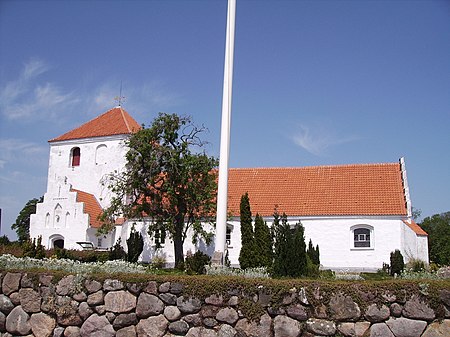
(362, 230)
(75, 158)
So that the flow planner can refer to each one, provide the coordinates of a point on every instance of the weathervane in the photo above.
(120, 99)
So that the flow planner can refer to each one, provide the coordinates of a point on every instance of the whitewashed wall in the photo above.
(334, 235)
(94, 163)
(99, 157)
(72, 224)
(414, 246)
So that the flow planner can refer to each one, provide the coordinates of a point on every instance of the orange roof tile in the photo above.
(91, 207)
(362, 189)
(415, 227)
(113, 122)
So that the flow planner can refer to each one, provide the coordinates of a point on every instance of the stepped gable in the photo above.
(341, 190)
(91, 207)
(113, 122)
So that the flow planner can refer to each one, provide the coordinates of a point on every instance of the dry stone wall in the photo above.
(72, 306)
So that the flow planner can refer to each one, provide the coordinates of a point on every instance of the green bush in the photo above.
(416, 265)
(397, 263)
(135, 245)
(195, 263)
(117, 252)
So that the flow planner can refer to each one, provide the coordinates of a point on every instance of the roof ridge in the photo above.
(122, 112)
(312, 167)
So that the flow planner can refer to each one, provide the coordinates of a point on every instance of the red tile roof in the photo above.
(363, 189)
(415, 227)
(113, 122)
(91, 207)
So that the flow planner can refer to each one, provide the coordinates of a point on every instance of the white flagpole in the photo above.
(222, 193)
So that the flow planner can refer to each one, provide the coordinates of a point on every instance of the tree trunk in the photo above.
(178, 244)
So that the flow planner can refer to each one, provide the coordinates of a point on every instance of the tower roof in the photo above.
(113, 122)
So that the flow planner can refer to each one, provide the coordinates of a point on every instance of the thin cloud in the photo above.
(318, 140)
(25, 99)
(148, 97)
(18, 150)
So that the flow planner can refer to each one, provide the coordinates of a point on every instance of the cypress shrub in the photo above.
(135, 245)
(397, 263)
(247, 253)
(263, 243)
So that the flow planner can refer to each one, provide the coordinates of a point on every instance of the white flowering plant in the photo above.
(117, 266)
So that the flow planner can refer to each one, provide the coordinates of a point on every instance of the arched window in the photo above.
(100, 154)
(75, 156)
(47, 220)
(362, 236)
(57, 218)
(56, 241)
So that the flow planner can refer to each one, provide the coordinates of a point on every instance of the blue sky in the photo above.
(315, 82)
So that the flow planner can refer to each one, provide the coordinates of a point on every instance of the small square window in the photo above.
(361, 238)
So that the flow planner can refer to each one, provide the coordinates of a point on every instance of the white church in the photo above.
(357, 214)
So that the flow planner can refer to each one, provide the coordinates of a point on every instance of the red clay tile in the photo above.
(113, 122)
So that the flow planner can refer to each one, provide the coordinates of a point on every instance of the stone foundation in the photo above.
(41, 306)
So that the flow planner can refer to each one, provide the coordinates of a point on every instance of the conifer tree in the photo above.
(297, 252)
(135, 245)
(282, 240)
(263, 243)
(313, 253)
(247, 253)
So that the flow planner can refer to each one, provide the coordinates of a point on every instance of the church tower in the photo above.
(75, 197)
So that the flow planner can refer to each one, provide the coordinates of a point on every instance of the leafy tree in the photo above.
(397, 262)
(22, 224)
(438, 229)
(263, 243)
(135, 244)
(247, 253)
(168, 179)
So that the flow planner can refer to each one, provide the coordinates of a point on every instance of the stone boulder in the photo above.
(253, 328)
(416, 309)
(438, 329)
(11, 283)
(404, 327)
(148, 305)
(5, 304)
(120, 301)
(30, 300)
(97, 326)
(380, 330)
(321, 327)
(66, 286)
(154, 326)
(72, 331)
(342, 308)
(42, 325)
(129, 331)
(112, 285)
(227, 315)
(284, 326)
(189, 305)
(375, 314)
(18, 322)
(297, 312)
(179, 327)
